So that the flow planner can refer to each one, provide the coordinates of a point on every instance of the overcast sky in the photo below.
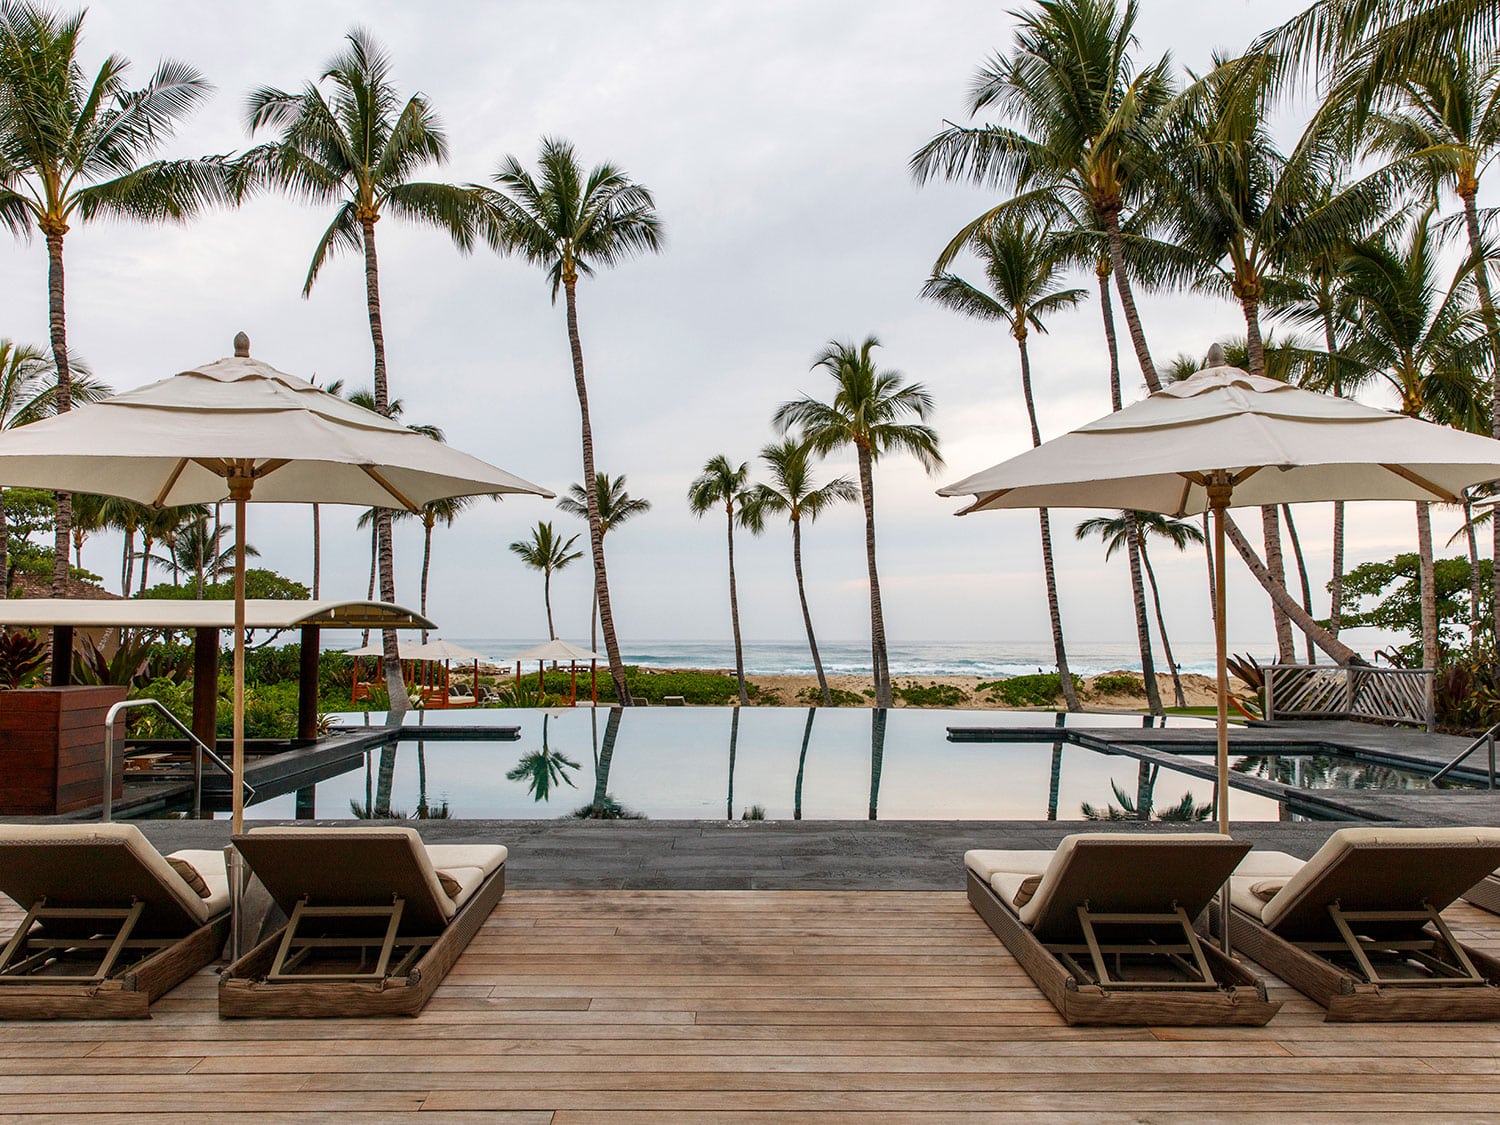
(775, 136)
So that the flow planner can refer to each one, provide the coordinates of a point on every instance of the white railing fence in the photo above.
(1327, 691)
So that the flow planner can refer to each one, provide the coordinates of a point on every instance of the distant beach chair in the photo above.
(1104, 927)
(375, 920)
(1357, 927)
(111, 925)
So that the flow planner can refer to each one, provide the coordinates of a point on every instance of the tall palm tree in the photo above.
(868, 413)
(444, 512)
(721, 483)
(1087, 124)
(1429, 345)
(1444, 115)
(358, 147)
(568, 223)
(1022, 266)
(616, 506)
(1116, 531)
(29, 390)
(547, 552)
(89, 516)
(791, 492)
(75, 149)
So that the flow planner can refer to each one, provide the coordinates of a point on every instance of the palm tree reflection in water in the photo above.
(1056, 781)
(878, 718)
(1143, 805)
(604, 806)
(734, 741)
(802, 764)
(544, 768)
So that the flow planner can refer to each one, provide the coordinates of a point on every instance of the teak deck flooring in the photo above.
(641, 1006)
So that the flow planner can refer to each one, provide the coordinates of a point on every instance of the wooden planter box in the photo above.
(52, 749)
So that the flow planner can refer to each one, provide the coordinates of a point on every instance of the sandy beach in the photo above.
(1199, 690)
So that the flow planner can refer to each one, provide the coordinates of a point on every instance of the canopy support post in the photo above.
(205, 691)
(307, 683)
(62, 656)
(1220, 488)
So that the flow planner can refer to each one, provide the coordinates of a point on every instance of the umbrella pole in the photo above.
(239, 492)
(1219, 490)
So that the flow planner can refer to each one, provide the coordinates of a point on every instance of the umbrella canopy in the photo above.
(1223, 438)
(240, 428)
(554, 650)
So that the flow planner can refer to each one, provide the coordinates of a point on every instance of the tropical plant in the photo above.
(23, 655)
(721, 483)
(75, 149)
(1088, 123)
(568, 223)
(1116, 531)
(443, 512)
(869, 412)
(791, 492)
(359, 147)
(616, 506)
(1022, 265)
(547, 552)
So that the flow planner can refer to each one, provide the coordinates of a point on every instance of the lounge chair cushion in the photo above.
(1380, 869)
(107, 865)
(1255, 869)
(486, 857)
(465, 880)
(986, 863)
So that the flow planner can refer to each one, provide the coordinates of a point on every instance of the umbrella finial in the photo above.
(241, 345)
(1215, 357)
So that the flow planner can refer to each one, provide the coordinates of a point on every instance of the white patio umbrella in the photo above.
(240, 429)
(1223, 438)
(557, 650)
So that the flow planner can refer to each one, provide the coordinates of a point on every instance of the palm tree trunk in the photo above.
(812, 641)
(202, 535)
(1335, 648)
(1049, 572)
(1106, 308)
(1208, 552)
(129, 561)
(57, 323)
(426, 567)
(1487, 309)
(591, 499)
(547, 601)
(317, 553)
(4, 550)
(877, 757)
(1161, 627)
(878, 666)
(1429, 588)
(1142, 626)
(146, 544)
(1254, 345)
(1286, 650)
(1476, 581)
(1297, 557)
(395, 686)
(802, 764)
(1336, 585)
(1127, 300)
(734, 609)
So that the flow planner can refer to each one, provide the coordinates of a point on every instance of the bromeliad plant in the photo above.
(23, 654)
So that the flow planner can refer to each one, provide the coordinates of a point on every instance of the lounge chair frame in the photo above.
(1485, 894)
(266, 982)
(1464, 985)
(1215, 990)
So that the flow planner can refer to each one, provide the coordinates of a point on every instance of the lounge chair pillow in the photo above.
(1027, 889)
(1267, 889)
(451, 886)
(190, 876)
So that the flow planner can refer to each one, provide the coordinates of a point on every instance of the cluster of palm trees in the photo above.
(1363, 230)
(77, 146)
(872, 412)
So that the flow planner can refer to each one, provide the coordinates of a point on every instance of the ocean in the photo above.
(937, 658)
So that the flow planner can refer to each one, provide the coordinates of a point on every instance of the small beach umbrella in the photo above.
(240, 429)
(1223, 438)
(557, 650)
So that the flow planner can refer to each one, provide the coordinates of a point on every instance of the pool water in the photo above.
(779, 764)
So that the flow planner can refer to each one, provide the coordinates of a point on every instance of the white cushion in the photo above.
(486, 857)
(1006, 884)
(468, 880)
(986, 863)
(214, 870)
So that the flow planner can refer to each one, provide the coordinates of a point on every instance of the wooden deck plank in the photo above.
(574, 1006)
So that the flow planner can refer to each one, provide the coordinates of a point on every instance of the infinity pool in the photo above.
(783, 764)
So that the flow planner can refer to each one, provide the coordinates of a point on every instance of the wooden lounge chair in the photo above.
(1357, 927)
(1485, 894)
(375, 920)
(1104, 926)
(110, 924)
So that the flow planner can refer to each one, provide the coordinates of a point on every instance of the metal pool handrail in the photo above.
(1488, 737)
(203, 751)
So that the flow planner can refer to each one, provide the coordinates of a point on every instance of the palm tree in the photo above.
(29, 390)
(721, 483)
(89, 516)
(1087, 126)
(358, 148)
(1117, 531)
(548, 552)
(73, 149)
(868, 413)
(1429, 345)
(616, 506)
(439, 511)
(196, 551)
(1022, 266)
(568, 223)
(791, 492)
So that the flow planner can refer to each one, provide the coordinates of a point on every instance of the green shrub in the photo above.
(813, 697)
(1042, 689)
(1119, 683)
(933, 694)
(700, 688)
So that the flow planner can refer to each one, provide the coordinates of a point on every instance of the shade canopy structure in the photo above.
(206, 613)
(239, 429)
(433, 650)
(1223, 438)
(559, 652)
